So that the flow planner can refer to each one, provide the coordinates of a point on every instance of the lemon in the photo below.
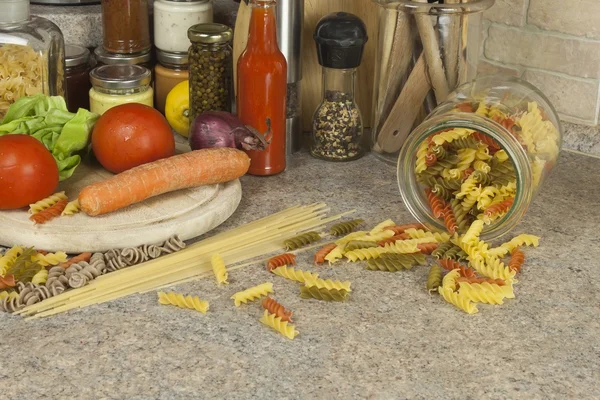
(177, 107)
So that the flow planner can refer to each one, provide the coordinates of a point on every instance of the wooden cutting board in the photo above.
(314, 10)
(187, 213)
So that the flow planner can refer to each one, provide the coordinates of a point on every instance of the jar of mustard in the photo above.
(172, 68)
(113, 85)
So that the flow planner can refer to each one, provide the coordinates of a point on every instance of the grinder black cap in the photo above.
(340, 39)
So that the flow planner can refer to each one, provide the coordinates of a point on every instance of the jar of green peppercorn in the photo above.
(211, 68)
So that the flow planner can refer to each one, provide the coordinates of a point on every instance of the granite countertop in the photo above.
(391, 339)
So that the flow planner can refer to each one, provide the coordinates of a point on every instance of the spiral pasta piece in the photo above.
(451, 135)
(427, 248)
(523, 239)
(434, 278)
(458, 300)
(449, 219)
(11, 304)
(436, 203)
(81, 273)
(380, 227)
(219, 269)
(9, 257)
(179, 300)
(7, 281)
(493, 268)
(41, 277)
(439, 237)
(473, 232)
(274, 307)
(395, 262)
(49, 213)
(393, 239)
(74, 260)
(516, 260)
(57, 279)
(8, 295)
(501, 207)
(450, 280)
(284, 327)
(172, 245)
(295, 274)
(51, 258)
(465, 158)
(328, 284)
(301, 240)
(308, 292)
(72, 208)
(46, 203)
(367, 254)
(359, 244)
(475, 279)
(344, 228)
(421, 164)
(450, 264)
(323, 252)
(252, 293)
(484, 292)
(280, 260)
(335, 255)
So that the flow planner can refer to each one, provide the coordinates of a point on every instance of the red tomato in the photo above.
(28, 172)
(129, 135)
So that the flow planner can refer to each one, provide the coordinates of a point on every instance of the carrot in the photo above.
(200, 167)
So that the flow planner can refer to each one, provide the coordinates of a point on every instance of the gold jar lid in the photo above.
(210, 33)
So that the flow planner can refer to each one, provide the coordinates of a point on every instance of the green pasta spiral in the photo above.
(464, 143)
(455, 253)
(301, 240)
(344, 228)
(482, 178)
(395, 262)
(434, 278)
(462, 219)
(442, 248)
(314, 292)
(439, 152)
(450, 184)
(359, 244)
(442, 192)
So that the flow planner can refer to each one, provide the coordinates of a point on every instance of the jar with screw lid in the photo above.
(482, 154)
(77, 78)
(172, 68)
(211, 73)
(113, 85)
(172, 18)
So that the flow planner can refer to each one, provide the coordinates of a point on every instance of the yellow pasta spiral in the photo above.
(329, 284)
(9, 258)
(284, 327)
(41, 277)
(218, 266)
(523, 239)
(472, 290)
(465, 158)
(451, 135)
(350, 237)
(50, 258)
(380, 227)
(405, 246)
(440, 237)
(252, 293)
(493, 268)
(179, 300)
(458, 300)
(473, 232)
(335, 254)
(421, 154)
(295, 274)
(8, 295)
(46, 203)
(366, 254)
(480, 165)
(72, 208)
(449, 281)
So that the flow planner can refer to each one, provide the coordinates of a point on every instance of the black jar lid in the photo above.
(340, 39)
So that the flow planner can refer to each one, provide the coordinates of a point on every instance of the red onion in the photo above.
(222, 129)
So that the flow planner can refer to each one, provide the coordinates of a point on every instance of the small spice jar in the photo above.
(113, 85)
(77, 77)
(172, 18)
(211, 73)
(337, 132)
(485, 152)
(126, 26)
(172, 68)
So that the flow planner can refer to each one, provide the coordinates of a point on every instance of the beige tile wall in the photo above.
(554, 44)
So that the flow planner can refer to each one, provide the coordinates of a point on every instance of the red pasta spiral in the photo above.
(7, 281)
(450, 264)
(474, 279)
(508, 123)
(427, 248)
(516, 260)
(449, 219)
(467, 172)
(402, 236)
(399, 229)
(322, 253)
(430, 159)
(493, 146)
(498, 208)
(273, 307)
(49, 213)
(280, 260)
(465, 107)
(436, 203)
(77, 259)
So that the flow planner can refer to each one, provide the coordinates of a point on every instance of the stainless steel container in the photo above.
(290, 17)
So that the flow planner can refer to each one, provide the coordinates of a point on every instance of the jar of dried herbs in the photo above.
(337, 132)
(211, 68)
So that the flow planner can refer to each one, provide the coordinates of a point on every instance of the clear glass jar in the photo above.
(172, 18)
(77, 77)
(211, 72)
(105, 58)
(31, 55)
(113, 85)
(424, 51)
(488, 148)
(126, 27)
(337, 123)
(172, 68)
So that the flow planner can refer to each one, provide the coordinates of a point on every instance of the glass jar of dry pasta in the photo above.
(482, 154)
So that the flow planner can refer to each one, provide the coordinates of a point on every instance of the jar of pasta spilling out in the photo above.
(482, 154)
(31, 55)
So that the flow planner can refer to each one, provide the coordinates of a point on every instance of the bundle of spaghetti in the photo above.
(249, 241)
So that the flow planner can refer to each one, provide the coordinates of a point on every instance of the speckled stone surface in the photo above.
(582, 138)
(391, 340)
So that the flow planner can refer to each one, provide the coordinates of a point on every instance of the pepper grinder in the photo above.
(290, 15)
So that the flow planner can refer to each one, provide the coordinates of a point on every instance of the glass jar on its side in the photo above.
(126, 27)
(172, 68)
(211, 68)
(172, 18)
(113, 85)
(77, 77)
(485, 152)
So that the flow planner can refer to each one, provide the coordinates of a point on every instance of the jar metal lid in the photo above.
(210, 33)
(188, 1)
(121, 76)
(172, 58)
(76, 55)
(104, 57)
